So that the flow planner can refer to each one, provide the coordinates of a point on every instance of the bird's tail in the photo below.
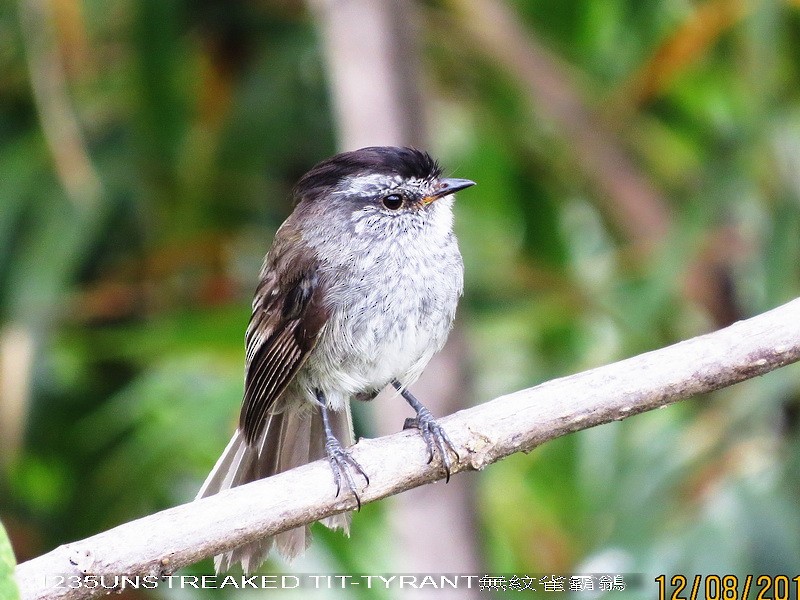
(292, 437)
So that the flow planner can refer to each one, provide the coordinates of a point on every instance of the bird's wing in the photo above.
(288, 316)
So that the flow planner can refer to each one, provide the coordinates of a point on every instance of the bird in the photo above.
(357, 292)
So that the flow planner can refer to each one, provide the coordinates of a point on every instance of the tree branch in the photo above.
(161, 543)
(637, 207)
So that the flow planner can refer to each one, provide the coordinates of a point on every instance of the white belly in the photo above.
(391, 307)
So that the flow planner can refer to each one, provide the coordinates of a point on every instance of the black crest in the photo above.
(386, 160)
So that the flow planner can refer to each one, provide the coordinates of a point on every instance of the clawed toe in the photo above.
(436, 439)
(344, 468)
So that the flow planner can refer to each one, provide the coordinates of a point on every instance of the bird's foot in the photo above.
(344, 468)
(343, 465)
(436, 438)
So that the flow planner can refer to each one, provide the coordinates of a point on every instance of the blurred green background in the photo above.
(638, 164)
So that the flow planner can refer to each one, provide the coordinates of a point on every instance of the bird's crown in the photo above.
(374, 161)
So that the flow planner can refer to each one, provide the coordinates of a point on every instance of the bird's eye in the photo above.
(393, 201)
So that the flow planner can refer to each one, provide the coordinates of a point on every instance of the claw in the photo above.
(435, 436)
(342, 464)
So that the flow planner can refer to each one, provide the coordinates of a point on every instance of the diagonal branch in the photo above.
(637, 207)
(161, 543)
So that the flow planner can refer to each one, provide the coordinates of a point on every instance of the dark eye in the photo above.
(393, 201)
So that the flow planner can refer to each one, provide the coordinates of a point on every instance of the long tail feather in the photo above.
(292, 437)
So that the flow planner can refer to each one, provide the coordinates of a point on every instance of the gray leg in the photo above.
(342, 464)
(435, 437)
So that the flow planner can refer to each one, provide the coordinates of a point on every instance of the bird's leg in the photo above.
(342, 464)
(435, 437)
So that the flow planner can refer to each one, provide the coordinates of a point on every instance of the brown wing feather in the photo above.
(288, 316)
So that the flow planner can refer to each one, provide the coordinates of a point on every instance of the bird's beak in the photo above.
(445, 187)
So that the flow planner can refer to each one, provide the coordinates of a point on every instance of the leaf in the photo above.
(8, 587)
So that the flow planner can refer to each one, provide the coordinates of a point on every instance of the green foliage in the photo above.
(195, 120)
(8, 587)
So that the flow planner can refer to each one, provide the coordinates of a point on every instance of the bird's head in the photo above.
(386, 179)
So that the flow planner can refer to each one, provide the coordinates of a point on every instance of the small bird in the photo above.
(358, 291)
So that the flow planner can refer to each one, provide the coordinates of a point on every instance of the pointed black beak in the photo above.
(447, 187)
